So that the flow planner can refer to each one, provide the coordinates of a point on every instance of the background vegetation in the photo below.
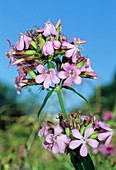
(17, 120)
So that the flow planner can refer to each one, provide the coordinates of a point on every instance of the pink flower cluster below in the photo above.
(57, 140)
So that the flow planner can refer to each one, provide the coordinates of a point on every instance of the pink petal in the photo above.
(53, 30)
(88, 132)
(41, 69)
(77, 70)
(74, 40)
(52, 71)
(74, 56)
(68, 81)
(61, 146)
(55, 79)
(57, 130)
(27, 41)
(64, 138)
(104, 126)
(49, 48)
(53, 76)
(56, 44)
(62, 74)
(93, 143)
(103, 136)
(41, 132)
(46, 30)
(40, 29)
(47, 82)
(83, 150)
(108, 141)
(20, 43)
(76, 134)
(75, 144)
(67, 67)
(55, 148)
(49, 138)
(70, 52)
(47, 145)
(83, 117)
(77, 80)
(68, 45)
(40, 78)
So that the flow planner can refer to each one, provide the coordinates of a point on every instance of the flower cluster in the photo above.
(77, 132)
(44, 57)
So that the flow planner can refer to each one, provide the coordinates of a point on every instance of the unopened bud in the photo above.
(25, 52)
(82, 63)
(58, 23)
(30, 72)
(33, 44)
(67, 131)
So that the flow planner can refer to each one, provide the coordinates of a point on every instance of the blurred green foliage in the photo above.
(17, 120)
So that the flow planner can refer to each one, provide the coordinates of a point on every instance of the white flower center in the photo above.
(72, 73)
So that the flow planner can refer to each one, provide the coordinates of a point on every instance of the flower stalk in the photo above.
(51, 62)
(60, 99)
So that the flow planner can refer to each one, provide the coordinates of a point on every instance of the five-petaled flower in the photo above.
(48, 29)
(83, 141)
(72, 49)
(57, 142)
(71, 73)
(46, 76)
(23, 42)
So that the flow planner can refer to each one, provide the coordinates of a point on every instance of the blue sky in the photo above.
(91, 20)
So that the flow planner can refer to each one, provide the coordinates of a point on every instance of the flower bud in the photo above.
(25, 52)
(30, 72)
(33, 44)
(58, 23)
(81, 64)
(67, 131)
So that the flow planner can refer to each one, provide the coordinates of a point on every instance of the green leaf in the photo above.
(71, 89)
(50, 65)
(45, 101)
(81, 163)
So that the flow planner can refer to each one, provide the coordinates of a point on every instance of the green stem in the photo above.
(62, 104)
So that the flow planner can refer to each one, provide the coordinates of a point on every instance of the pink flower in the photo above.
(48, 29)
(107, 115)
(43, 131)
(23, 42)
(107, 151)
(83, 141)
(87, 66)
(106, 134)
(49, 46)
(56, 142)
(87, 70)
(71, 73)
(73, 49)
(46, 76)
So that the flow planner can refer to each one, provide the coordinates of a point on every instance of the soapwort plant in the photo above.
(44, 57)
